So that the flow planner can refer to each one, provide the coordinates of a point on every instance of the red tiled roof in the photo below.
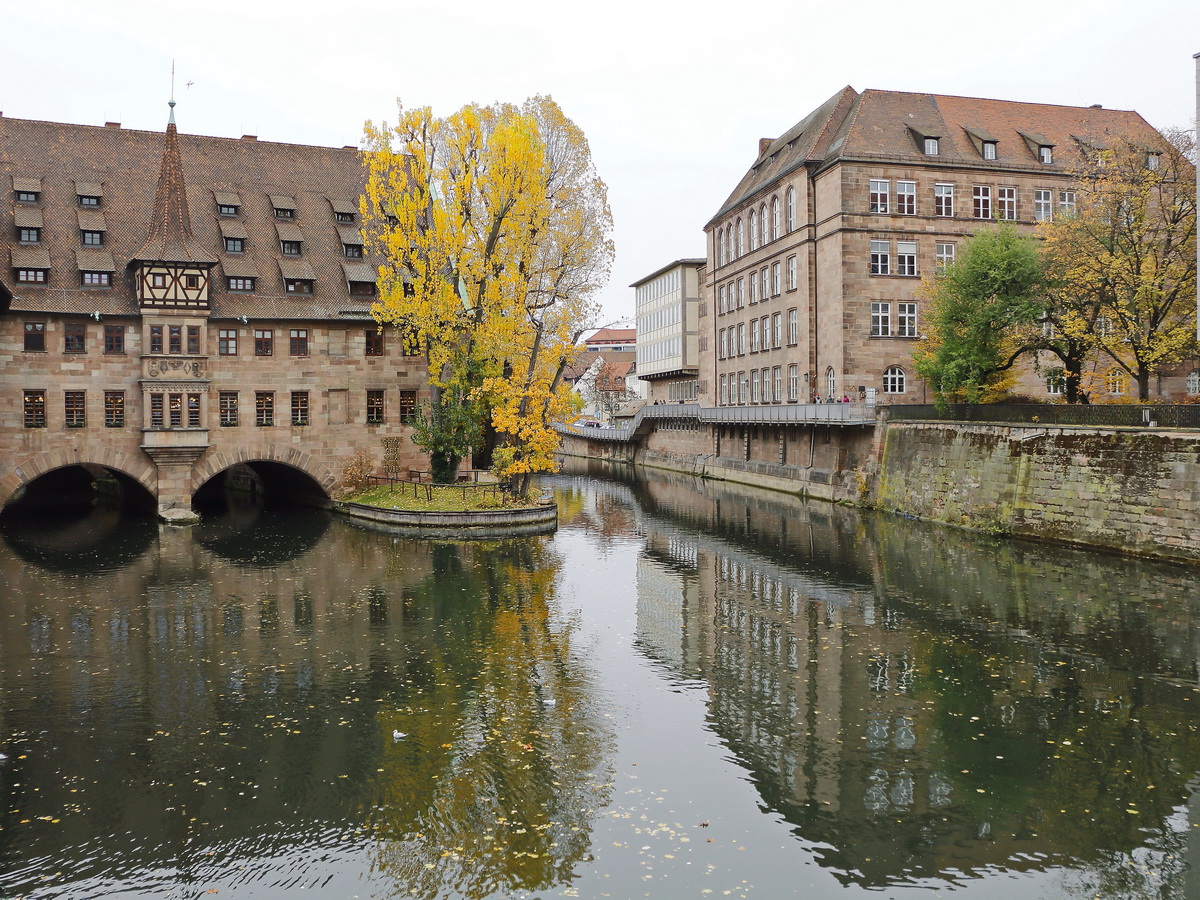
(613, 335)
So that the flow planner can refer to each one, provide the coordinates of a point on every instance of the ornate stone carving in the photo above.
(159, 367)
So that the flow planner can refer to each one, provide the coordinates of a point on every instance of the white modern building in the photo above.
(668, 347)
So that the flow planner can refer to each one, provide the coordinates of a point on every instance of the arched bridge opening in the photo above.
(258, 480)
(76, 489)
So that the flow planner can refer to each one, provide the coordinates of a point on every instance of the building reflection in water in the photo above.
(929, 705)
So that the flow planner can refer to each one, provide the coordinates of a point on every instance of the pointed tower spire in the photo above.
(170, 237)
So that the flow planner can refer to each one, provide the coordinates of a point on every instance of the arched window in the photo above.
(774, 218)
(830, 382)
(753, 229)
(729, 243)
(764, 226)
(1193, 381)
(790, 210)
(893, 380)
(719, 249)
(741, 238)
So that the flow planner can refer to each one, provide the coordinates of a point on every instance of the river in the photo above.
(689, 690)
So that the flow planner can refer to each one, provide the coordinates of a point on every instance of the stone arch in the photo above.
(137, 468)
(286, 454)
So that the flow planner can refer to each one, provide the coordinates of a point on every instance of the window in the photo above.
(1152, 161)
(1066, 203)
(193, 408)
(290, 248)
(1043, 206)
(226, 209)
(776, 287)
(943, 200)
(881, 319)
(114, 338)
(881, 260)
(741, 293)
(830, 382)
(74, 408)
(793, 326)
(234, 245)
(906, 257)
(944, 255)
(352, 251)
(35, 336)
(724, 391)
(931, 146)
(193, 339)
(35, 409)
(880, 192)
(765, 325)
(721, 300)
(793, 273)
(1193, 381)
(753, 229)
(156, 339)
(1115, 382)
(174, 339)
(981, 201)
(299, 407)
(362, 289)
(777, 329)
(765, 375)
(343, 218)
(1006, 204)
(793, 382)
(741, 339)
(754, 335)
(726, 249)
(374, 407)
(893, 380)
(753, 289)
(764, 290)
(88, 200)
(741, 238)
(989, 149)
(777, 377)
(906, 320)
(156, 410)
(158, 280)
(298, 285)
(92, 238)
(28, 196)
(114, 409)
(754, 385)
(31, 276)
(743, 387)
(95, 279)
(774, 218)
(1045, 154)
(374, 342)
(191, 282)
(722, 343)
(29, 235)
(764, 230)
(906, 198)
(264, 407)
(264, 342)
(790, 210)
(239, 284)
(74, 337)
(282, 213)
(227, 341)
(227, 405)
(298, 342)
(408, 405)
(1055, 382)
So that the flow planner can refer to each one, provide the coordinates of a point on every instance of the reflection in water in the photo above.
(62, 537)
(878, 706)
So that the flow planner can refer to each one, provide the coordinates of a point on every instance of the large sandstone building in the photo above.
(173, 306)
(816, 257)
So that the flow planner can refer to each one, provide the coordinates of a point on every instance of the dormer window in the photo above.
(344, 218)
(1045, 155)
(352, 251)
(1151, 161)
(989, 149)
(28, 196)
(31, 276)
(298, 285)
(281, 213)
(362, 288)
(285, 207)
(227, 209)
(88, 200)
(931, 146)
(29, 235)
(92, 238)
(234, 245)
(289, 248)
(229, 203)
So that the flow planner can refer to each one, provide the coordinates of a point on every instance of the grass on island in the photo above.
(445, 498)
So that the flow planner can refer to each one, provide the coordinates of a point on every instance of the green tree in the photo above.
(1122, 267)
(980, 312)
(494, 229)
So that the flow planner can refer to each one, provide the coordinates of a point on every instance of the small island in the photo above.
(462, 511)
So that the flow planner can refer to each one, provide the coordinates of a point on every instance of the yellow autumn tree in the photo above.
(1121, 265)
(494, 228)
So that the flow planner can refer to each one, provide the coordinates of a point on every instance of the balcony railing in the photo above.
(792, 413)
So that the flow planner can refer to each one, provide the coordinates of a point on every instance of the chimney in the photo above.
(763, 144)
(1096, 106)
(350, 147)
(249, 137)
(112, 124)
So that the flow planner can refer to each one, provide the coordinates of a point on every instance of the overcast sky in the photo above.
(673, 97)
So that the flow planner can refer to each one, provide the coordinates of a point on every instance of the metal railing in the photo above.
(1105, 415)
(426, 489)
(796, 413)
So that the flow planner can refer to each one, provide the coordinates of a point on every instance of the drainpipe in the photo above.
(1197, 58)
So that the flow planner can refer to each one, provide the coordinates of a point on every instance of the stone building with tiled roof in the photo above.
(169, 328)
(815, 258)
